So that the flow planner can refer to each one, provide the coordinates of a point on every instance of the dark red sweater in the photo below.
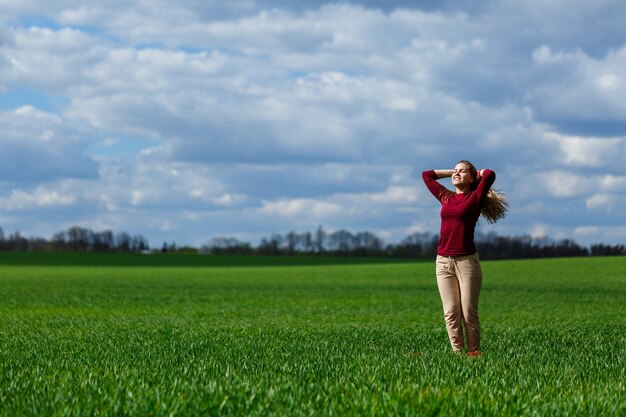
(459, 214)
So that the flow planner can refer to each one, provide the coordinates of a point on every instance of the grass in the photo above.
(178, 259)
(316, 339)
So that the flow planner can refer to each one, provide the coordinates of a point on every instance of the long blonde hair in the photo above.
(495, 206)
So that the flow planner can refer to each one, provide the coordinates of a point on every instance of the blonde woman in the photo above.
(459, 275)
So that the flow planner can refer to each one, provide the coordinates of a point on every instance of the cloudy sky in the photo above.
(183, 120)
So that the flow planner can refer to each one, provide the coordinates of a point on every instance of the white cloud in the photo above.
(589, 151)
(609, 82)
(586, 230)
(37, 198)
(608, 198)
(614, 183)
(560, 183)
(308, 208)
(599, 200)
(393, 196)
(596, 104)
(609, 201)
(601, 234)
(39, 146)
(401, 200)
(153, 183)
(50, 59)
(228, 200)
(539, 231)
(402, 104)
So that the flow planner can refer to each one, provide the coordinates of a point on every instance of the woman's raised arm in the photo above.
(430, 179)
(444, 173)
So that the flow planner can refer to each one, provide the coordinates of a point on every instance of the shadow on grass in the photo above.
(180, 260)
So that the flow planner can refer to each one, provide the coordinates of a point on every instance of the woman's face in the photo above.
(461, 178)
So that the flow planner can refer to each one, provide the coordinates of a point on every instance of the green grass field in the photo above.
(161, 336)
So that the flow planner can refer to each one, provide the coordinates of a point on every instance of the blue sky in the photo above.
(187, 120)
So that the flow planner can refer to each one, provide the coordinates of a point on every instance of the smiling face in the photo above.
(462, 177)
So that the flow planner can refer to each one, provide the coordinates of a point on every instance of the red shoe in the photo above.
(474, 353)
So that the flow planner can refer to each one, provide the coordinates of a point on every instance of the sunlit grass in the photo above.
(309, 340)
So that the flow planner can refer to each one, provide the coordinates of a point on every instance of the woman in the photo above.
(459, 276)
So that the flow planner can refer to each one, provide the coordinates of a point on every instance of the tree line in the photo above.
(420, 245)
(77, 239)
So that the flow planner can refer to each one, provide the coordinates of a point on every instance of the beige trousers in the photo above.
(459, 279)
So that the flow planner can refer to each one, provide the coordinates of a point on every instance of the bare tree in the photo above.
(320, 240)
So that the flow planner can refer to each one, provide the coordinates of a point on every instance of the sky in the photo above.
(185, 120)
